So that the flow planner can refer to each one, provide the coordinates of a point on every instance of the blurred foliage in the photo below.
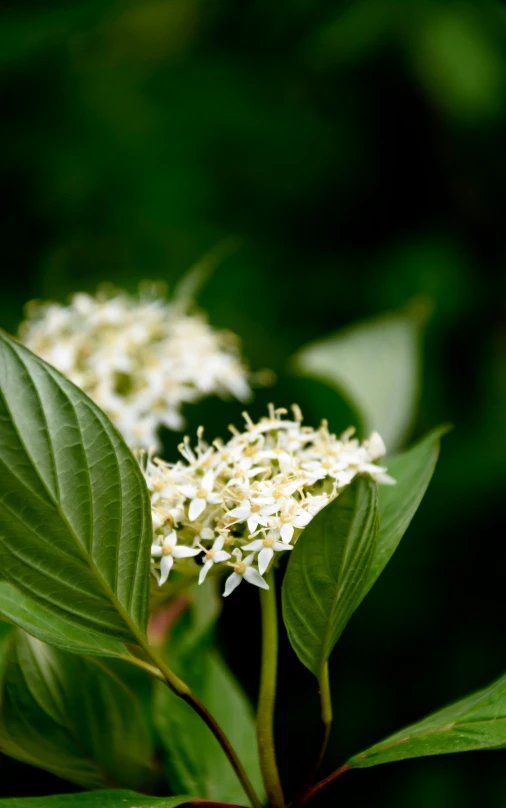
(356, 149)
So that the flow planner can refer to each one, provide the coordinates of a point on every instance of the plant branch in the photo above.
(211, 804)
(267, 696)
(181, 689)
(145, 666)
(326, 710)
(323, 784)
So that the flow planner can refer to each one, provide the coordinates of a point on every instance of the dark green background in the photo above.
(358, 150)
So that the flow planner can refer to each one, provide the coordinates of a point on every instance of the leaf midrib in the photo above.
(446, 728)
(108, 591)
(342, 565)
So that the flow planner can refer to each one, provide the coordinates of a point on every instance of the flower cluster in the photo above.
(237, 504)
(140, 358)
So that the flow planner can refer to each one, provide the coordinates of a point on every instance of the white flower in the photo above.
(253, 494)
(253, 512)
(168, 551)
(243, 570)
(290, 519)
(214, 555)
(140, 358)
(199, 495)
(266, 548)
(375, 446)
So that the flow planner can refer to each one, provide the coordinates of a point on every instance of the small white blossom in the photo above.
(243, 570)
(139, 358)
(215, 555)
(200, 495)
(168, 551)
(253, 494)
(266, 548)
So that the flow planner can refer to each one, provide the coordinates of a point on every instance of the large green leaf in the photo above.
(56, 630)
(476, 722)
(398, 503)
(327, 571)
(73, 717)
(74, 510)
(96, 799)
(195, 762)
(376, 366)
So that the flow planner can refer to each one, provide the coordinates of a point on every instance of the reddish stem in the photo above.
(327, 781)
(211, 804)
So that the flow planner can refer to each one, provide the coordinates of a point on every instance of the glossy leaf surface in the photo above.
(327, 571)
(398, 503)
(376, 366)
(476, 722)
(74, 512)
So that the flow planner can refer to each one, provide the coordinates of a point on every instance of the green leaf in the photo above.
(476, 722)
(327, 570)
(376, 366)
(195, 762)
(96, 799)
(73, 717)
(46, 626)
(74, 513)
(398, 503)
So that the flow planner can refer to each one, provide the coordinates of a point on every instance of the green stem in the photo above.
(326, 709)
(145, 666)
(266, 700)
(181, 689)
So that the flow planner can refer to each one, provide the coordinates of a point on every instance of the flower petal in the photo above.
(255, 546)
(171, 539)
(197, 506)
(302, 519)
(241, 512)
(165, 567)
(253, 577)
(218, 543)
(278, 546)
(231, 583)
(185, 552)
(188, 491)
(208, 481)
(203, 572)
(156, 550)
(264, 559)
(386, 479)
(220, 556)
(252, 523)
(286, 533)
(376, 447)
